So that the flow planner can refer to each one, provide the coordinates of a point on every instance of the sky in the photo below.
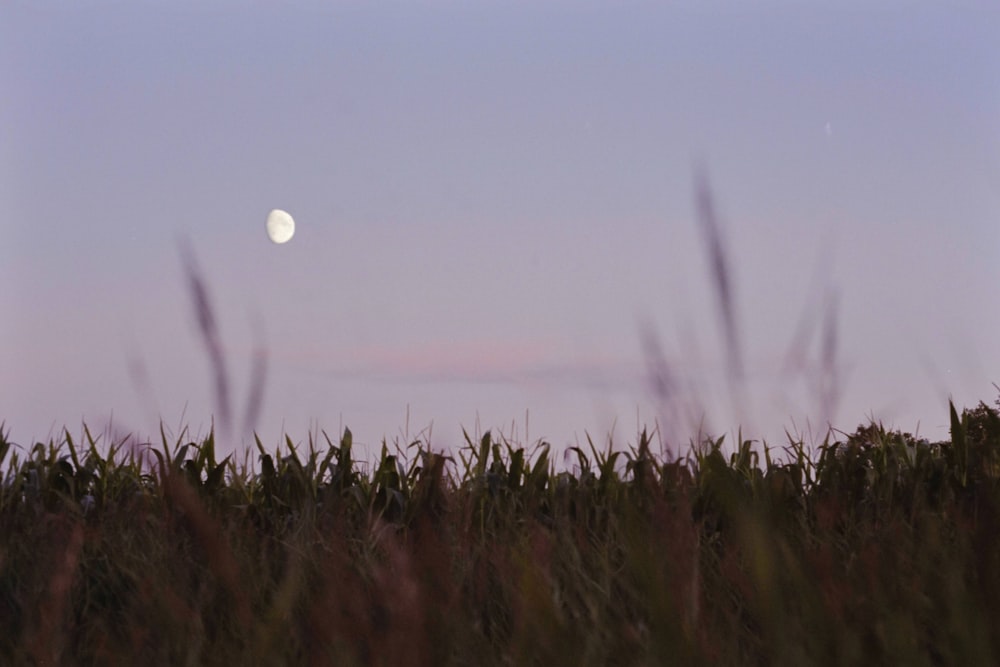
(497, 217)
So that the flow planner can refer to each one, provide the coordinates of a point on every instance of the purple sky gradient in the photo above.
(494, 202)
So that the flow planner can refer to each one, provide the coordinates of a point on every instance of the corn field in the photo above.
(873, 548)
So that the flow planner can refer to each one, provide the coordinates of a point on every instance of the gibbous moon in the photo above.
(280, 226)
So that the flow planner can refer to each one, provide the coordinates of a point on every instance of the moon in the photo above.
(280, 226)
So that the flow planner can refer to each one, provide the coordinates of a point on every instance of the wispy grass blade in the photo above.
(210, 335)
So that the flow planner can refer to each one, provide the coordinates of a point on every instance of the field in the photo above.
(872, 548)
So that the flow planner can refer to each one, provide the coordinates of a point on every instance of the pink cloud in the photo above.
(455, 359)
(484, 360)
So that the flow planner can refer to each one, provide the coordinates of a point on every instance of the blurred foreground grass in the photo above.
(879, 548)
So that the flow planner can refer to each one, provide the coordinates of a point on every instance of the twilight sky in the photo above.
(495, 207)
